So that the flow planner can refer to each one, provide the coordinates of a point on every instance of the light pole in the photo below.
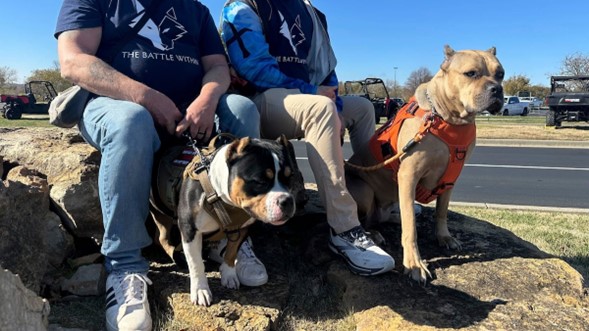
(395, 79)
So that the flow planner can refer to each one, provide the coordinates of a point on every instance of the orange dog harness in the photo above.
(383, 145)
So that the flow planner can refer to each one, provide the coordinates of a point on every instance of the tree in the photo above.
(575, 64)
(53, 75)
(7, 76)
(395, 90)
(416, 78)
(515, 84)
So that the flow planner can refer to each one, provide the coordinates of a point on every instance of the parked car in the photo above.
(514, 106)
(400, 102)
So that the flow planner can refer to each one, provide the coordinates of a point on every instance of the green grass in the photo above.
(27, 121)
(565, 235)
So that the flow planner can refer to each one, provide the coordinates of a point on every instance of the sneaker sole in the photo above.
(354, 268)
(254, 283)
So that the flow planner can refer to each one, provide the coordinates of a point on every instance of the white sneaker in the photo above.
(363, 256)
(127, 307)
(250, 270)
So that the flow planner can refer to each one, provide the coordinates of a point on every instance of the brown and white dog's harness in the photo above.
(193, 163)
(383, 145)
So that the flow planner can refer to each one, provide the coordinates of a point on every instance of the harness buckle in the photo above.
(212, 198)
(233, 235)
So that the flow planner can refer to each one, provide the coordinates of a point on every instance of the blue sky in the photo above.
(371, 37)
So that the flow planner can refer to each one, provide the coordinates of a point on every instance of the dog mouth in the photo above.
(278, 223)
(492, 105)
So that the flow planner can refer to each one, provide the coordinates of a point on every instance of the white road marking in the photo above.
(508, 166)
(525, 167)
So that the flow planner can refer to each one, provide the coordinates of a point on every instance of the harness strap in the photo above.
(212, 198)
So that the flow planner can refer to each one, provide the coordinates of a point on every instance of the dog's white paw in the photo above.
(229, 276)
(201, 296)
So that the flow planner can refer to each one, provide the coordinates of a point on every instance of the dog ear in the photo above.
(282, 140)
(448, 52)
(492, 50)
(237, 147)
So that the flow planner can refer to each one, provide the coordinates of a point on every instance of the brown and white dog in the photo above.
(254, 179)
(437, 130)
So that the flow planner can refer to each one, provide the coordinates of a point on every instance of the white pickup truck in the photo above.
(535, 103)
(514, 106)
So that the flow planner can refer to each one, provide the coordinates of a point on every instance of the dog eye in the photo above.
(500, 74)
(470, 74)
(287, 172)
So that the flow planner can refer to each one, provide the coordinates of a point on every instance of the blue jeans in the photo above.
(125, 135)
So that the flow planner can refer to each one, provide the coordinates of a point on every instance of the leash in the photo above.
(428, 122)
(199, 171)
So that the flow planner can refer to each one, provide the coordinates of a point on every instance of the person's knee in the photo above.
(325, 111)
(239, 116)
(135, 126)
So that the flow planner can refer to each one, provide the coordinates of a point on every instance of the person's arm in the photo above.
(200, 114)
(253, 61)
(79, 65)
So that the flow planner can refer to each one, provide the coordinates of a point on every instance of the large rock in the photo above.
(20, 308)
(24, 206)
(497, 281)
(71, 168)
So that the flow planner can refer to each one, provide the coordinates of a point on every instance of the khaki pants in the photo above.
(314, 118)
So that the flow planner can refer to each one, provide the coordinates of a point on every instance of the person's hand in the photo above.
(199, 119)
(162, 109)
(327, 91)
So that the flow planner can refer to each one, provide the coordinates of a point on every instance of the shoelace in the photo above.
(133, 286)
(359, 238)
(246, 250)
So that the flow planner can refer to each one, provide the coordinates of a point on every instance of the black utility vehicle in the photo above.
(568, 100)
(374, 90)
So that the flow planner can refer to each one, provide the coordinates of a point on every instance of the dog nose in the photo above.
(496, 90)
(286, 203)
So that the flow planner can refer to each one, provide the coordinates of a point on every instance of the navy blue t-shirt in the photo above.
(165, 54)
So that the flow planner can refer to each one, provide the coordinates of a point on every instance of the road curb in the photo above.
(533, 143)
(515, 207)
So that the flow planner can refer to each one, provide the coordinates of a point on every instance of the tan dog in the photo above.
(468, 82)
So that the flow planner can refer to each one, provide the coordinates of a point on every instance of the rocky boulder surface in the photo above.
(49, 199)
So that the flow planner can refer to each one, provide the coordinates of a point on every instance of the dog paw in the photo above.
(201, 297)
(229, 277)
(449, 242)
(418, 271)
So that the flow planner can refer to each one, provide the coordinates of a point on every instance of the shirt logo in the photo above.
(294, 34)
(164, 35)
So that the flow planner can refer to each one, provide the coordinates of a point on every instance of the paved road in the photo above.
(544, 177)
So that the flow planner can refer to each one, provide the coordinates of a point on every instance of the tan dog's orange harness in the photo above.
(383, 145)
